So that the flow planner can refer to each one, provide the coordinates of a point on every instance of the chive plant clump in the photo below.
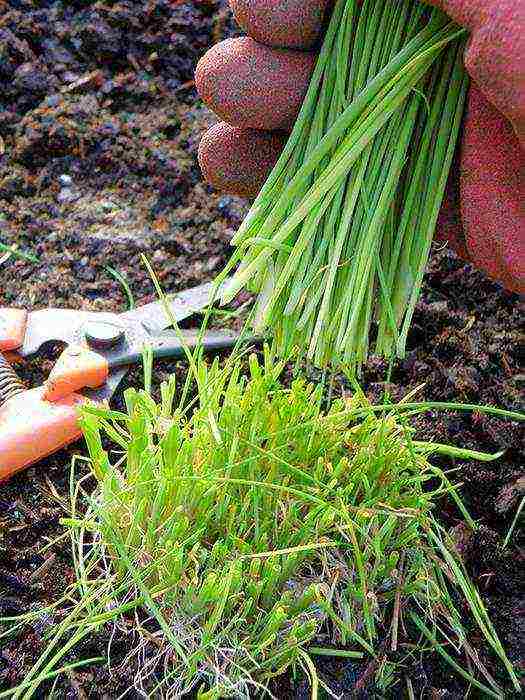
(226, 538)
(339, 236)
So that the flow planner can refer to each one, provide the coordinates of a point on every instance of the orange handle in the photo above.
(76, 368)
(32, 428)
(38, 422)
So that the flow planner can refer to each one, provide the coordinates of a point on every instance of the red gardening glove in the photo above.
(256, 84)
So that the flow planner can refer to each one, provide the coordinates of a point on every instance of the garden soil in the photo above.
(99, 127)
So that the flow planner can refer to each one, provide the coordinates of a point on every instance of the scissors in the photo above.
(100, 348)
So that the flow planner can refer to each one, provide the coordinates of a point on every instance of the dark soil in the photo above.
(99, 126)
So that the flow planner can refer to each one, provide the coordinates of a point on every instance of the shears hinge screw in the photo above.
(102, 335)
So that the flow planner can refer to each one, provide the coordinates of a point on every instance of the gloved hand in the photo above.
(256, 85)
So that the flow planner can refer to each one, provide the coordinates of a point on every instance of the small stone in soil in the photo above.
(67, 195)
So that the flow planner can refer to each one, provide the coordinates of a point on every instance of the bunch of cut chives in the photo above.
(337, 241)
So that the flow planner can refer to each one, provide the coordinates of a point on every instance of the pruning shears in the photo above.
(100, 348)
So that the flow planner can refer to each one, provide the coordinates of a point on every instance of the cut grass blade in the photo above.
(514, 522)
(124, 284)
(461, 671)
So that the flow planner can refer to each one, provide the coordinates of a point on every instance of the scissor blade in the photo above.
(58, 325)
(167, 344)
(67, 325)
(182, 305)
(171, 344)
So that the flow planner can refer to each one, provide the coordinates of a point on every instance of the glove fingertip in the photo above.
(253, 86)
(238, 161)
(295, 24)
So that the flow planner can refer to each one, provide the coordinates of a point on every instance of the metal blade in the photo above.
(62, 325)
(140, 327)
(165, 345)
(168, 344)
(182, 305)
(66, 325)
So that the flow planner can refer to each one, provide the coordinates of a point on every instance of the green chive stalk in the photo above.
(337, 241)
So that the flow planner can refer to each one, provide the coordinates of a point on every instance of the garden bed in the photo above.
(100, 124)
